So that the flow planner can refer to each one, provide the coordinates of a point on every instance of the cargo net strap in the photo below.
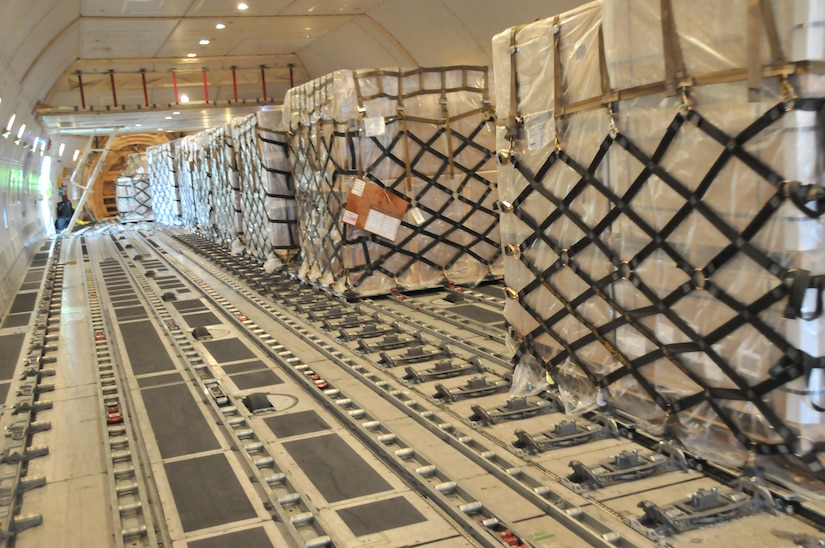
(434, 201)
(792, 286)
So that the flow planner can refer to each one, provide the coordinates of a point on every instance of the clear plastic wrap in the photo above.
(163, 183)
(651, 240)
(423, 134)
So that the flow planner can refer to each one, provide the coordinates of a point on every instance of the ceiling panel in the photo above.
(126, 8)
(321, 7)
(107, 39)
(186, 120)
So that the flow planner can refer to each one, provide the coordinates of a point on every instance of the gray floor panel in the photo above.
(33, 276)
(343, 477)
(245, 381)
(16, 320)
(478, 313)
(29, 286)
(228, 350)
(130, 312)
(295, 424)
(190, 305)
(251, 538)
(178, 424)
(23, 302)
(156, 380)
(244, 367)
(126, 300)
(207, 493)
(9, 352)
(145, 349)
(493, 290)
(199, 319)
(4, 391)
(380, 516)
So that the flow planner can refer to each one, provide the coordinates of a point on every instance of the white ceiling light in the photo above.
(21, 131)
(75, 155)
(243, 6)
(220, 26)
(168, 117)
(184, 98)
(204, 42)
(138, 125)
(61, 149)
(11, 122)
(191, 54)
(176, 112)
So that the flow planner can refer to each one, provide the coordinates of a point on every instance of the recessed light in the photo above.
(184, 98)
(203, 42)
(160, 129)
(243, 6)
(220, 26)
(191, 54)
(138, 125)
(176, 112)
(168, 117)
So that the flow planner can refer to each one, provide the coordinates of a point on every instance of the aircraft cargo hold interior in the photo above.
(546, 274)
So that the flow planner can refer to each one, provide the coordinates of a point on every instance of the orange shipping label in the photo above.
(374, 209)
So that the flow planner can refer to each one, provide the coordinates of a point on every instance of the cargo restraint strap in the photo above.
(793, 287)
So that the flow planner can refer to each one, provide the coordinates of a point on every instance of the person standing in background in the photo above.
(65, 210)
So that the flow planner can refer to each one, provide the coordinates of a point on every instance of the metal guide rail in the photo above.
(128, 486)
(21, 423)
(364, 318)
(282, 497)
(585, 524)
(469, 514)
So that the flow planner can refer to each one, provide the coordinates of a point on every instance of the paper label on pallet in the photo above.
(374, 209)
(374, 126)
(358, 187)
(417, 216)
(349, 217)
(382, 224)
(538, 130)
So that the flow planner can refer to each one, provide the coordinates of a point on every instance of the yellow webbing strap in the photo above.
(403, 119)
(674, 62)
(512, 115)
(558, 82)
(445, 119)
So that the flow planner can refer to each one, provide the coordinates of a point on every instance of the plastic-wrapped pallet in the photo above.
(163, 183)
(266, 192)
(224, 181)
(194, 172)
(662, 200)
(134, 198)
(423, 138)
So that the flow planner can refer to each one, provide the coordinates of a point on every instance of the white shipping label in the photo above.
(382, 224)
(374, 126)
(537, 129)
(417, 216)
(358, 187)
(349, 217)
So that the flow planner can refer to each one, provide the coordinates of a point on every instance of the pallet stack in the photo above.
(163, 184)
(662, 218)
(415, 148)
(224, 181)
(133, 195)
(265, 192)
(193, 166)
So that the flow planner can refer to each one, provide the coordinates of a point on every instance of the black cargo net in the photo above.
(455, 197)
(266, 194)
(574, 283)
